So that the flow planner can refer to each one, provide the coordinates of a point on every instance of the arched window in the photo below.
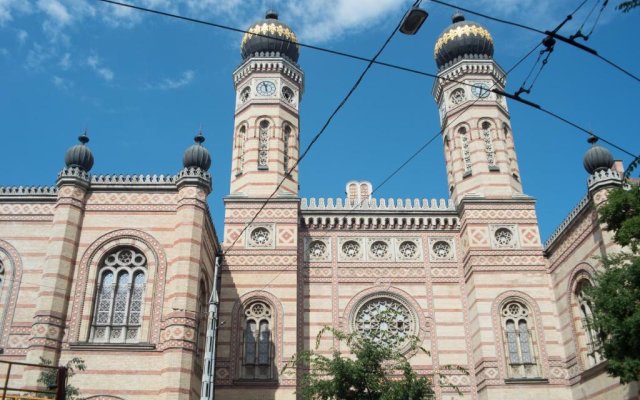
(519, 340)
(263, 145)
(466, 153)
(201, 319)
(257, 354)
(119, 302)
(242, 140)
(488, 144)
(591, 340)
(352, 192)
(3, 298)
(287, 135)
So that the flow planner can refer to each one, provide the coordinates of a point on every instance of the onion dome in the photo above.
(197, 155)
(462, 40)
(597, 158)
(274, 39)
(79, 155)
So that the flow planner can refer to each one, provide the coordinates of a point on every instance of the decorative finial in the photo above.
(199, 137)
(271, 14)
(457, 17)
(592, 139)
(84, 139)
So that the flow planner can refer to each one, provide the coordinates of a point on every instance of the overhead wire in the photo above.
(390, 65)
(539, 31)
(318, 135)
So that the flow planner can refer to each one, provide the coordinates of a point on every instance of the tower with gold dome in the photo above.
(269, 85)
(477, 136)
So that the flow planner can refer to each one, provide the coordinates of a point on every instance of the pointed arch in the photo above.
(10, 277)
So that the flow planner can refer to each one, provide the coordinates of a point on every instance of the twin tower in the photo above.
(476, 130)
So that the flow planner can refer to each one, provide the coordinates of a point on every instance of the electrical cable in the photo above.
(317, 136)
(415, 154)
(394, 66)
(546, 33)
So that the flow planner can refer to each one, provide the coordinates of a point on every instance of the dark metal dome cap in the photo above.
(278, 39)
(597, 158)
(79, 155)
(197, 155)
(462, 40)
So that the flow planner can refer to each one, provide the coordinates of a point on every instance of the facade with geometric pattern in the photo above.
(120, 270)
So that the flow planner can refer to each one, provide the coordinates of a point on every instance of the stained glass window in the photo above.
(257, 348)
(120, 297)
(518, 338)
(385, 321)
(263, 145)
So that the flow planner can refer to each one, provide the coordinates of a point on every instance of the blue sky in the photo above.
(142, 85)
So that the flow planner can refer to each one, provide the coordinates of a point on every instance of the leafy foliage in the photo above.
(372, 372)
(627, 6)
(616, 293)
(622, 216)
(48, 376)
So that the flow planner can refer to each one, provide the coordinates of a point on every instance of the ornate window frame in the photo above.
(417, 242)
(271, 240)
(12, 264)
(464, 134)
(360, 256)
(515, 239)
(264, 128)
(487, 130)
(422, 321)
(583, 272)
(241, 146)
(433, 257)
(308, 257)
(379, 249)
(538, 343)
(85, 289)
(237, 329)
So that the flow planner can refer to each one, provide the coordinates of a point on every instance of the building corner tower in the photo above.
(506, 283)
(476, 127)
(259, 299)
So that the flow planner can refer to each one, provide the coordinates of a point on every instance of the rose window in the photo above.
(457, 96)
(385, 321)
(379, 249)
(260, 236)
(351, 249)
(504, 237)
(408, 249)
(317, 249)
(442, 249)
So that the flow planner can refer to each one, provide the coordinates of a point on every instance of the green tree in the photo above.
(48, 376)
(376, 368)
(628, 5)
(616, 293)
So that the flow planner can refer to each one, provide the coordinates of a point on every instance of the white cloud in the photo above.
(169, 83)
(55, 11)
(95, 64)
(61, 83)
(9, 8)
(65, 61)
(38, 55)
(22, 37)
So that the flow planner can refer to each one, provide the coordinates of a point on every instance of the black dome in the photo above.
(597, 158)
(197, 155)
(462, 40)
(269, 45)
(79, 155)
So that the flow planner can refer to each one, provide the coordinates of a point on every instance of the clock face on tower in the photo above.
(480, 89)
(266, 88)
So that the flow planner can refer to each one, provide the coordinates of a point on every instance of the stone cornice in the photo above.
(467, 67)
(566, 224)
(269, 64)
(379, 214)
(600, 179)
(28, 193)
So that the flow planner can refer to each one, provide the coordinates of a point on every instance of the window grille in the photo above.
(263, 146)
(120, 298)
(257, 356)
